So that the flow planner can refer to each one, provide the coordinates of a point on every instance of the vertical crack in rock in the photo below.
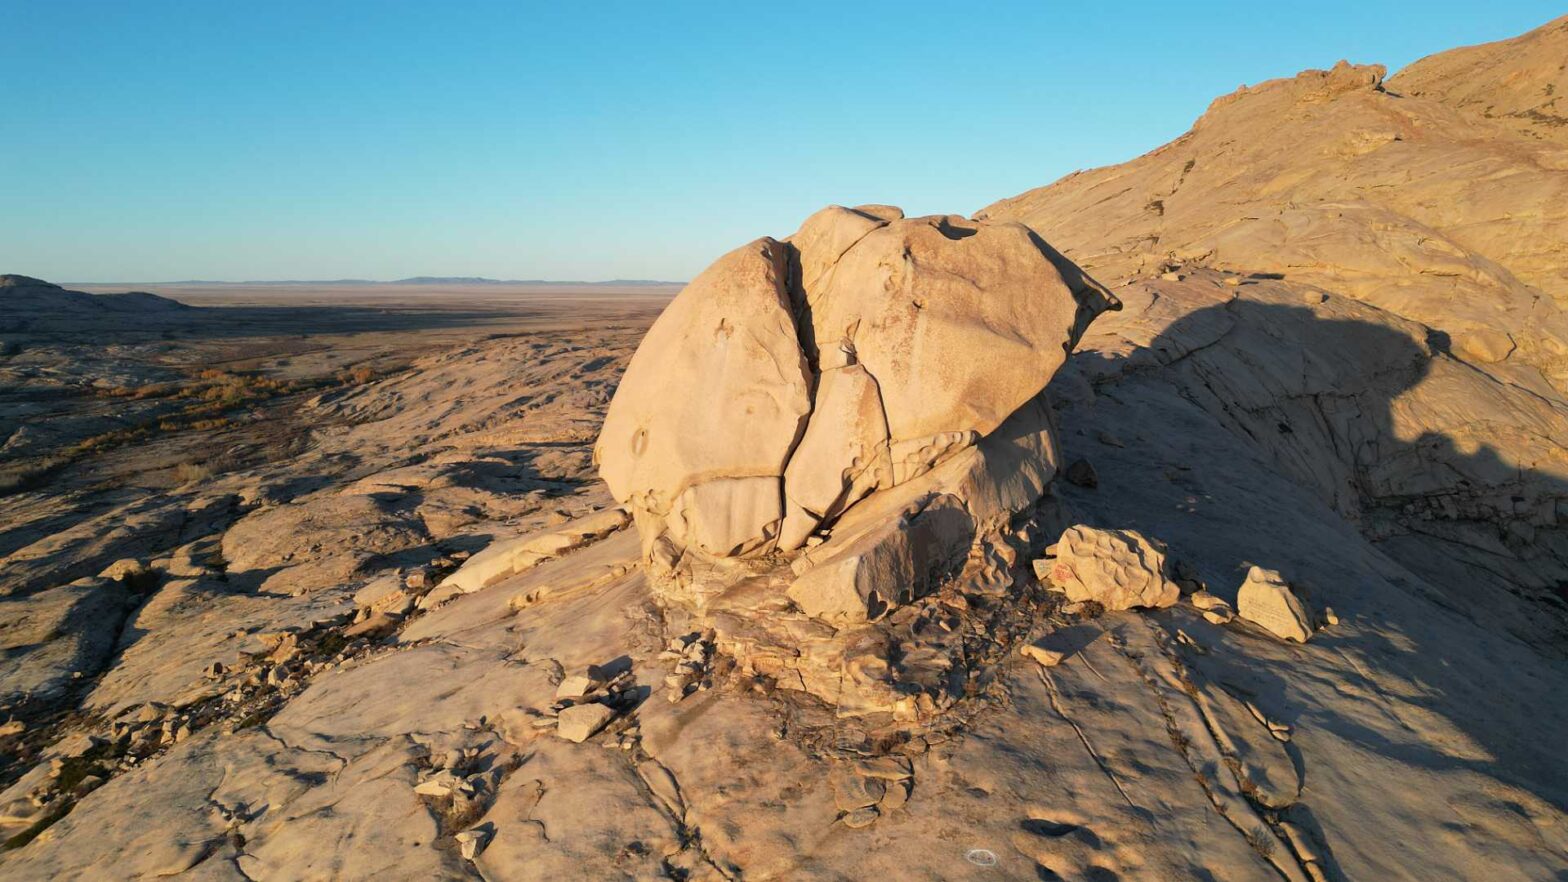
(1056, 705)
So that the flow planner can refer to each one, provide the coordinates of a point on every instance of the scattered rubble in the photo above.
(869, 788)
(1214, 609)
(693, 655)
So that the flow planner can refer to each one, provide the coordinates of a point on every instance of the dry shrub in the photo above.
(191, 472)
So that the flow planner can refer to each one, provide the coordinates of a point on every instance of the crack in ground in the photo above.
(1056, 705)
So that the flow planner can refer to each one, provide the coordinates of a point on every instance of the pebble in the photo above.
(472, 843)
(1049, 658)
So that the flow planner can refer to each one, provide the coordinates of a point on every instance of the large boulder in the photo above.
(848, 418)
(792, 379)
(710, 407)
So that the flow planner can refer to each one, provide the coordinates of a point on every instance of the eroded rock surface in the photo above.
(1118, 569)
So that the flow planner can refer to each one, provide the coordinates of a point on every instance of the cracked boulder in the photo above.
(710, 407)
(842, 420)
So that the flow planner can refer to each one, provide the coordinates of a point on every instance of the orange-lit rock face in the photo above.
(792, 379)
(862, 401)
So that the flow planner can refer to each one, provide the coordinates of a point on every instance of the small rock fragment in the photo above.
(472, 842)
(1049, 658)
(1265, 599)
(376, 624)
(581, 722)
(439, 786)
(1214, 609)
(1082, 474)
(575, 687)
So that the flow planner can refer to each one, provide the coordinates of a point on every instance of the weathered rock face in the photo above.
(1118, 569)
(862, 402)
(1330, 178)
(1265, 599)
(710, 408)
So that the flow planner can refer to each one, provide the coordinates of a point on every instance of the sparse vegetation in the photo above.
(191, 472)
(1261, 840)
(205, 403)
(358, 376)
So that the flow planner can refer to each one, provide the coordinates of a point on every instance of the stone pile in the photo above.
(587, 703)
(870, 788)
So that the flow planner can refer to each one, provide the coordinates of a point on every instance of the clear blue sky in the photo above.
(145, 141)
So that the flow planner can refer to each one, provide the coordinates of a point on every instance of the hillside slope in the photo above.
(1441, 195)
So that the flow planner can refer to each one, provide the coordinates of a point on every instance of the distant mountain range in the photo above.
(416, 280)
